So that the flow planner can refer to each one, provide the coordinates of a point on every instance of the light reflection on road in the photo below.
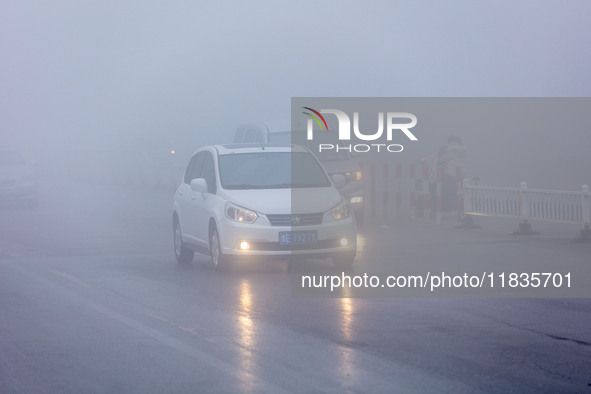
(347, 309)
(360, 243)
(347, 319)
(246, 334)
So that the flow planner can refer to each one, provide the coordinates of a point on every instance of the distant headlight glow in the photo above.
(356, 200)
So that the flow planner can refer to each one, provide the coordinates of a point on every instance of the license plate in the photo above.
(298, 237)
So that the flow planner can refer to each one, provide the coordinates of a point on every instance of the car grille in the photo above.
(275, 246)
(306, 219)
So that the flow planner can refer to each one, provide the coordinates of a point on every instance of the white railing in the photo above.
(492, 201)
(548, 205)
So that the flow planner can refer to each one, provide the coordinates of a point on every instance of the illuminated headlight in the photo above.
(341, 211)
(244, 245)
(353, 176)
(239, 214)
(356, 200)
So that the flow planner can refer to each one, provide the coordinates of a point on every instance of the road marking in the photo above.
(190, 330)
(246, 379)
(157, 317)
(71, 278)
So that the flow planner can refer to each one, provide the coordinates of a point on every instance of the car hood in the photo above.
(279, 201)
(339, 166)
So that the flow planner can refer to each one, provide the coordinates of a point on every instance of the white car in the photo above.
(251, 201)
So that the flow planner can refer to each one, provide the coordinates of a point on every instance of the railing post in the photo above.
(586, 211)
(523, 201)
(464, 202)
(525, 226)
(466, 207)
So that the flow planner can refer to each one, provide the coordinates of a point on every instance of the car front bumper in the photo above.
(263, 239)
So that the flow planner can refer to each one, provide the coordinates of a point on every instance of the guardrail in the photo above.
(529, 204)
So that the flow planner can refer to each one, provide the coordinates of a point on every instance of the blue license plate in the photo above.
(298, 237)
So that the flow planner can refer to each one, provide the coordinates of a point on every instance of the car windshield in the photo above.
(11, 158)
(299, 139)
(271, 170)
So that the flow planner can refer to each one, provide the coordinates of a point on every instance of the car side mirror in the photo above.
(199, 185)
(338, 180)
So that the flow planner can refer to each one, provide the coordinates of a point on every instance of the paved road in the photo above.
(91, 300)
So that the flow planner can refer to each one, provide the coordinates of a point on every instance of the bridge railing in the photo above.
(529, 204)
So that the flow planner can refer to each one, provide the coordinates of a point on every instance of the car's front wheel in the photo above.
(219, 260)
(182, 254)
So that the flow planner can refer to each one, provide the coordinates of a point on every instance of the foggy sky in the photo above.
(118, 73)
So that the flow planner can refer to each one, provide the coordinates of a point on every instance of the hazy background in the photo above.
(77, 77)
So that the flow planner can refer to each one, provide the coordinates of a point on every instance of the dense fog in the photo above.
(97, 84)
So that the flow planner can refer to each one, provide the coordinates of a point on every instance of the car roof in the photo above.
(257, 148)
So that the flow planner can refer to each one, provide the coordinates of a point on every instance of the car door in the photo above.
(204, 203)
(185, 196)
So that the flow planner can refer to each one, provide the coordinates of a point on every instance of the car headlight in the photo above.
(239, 214)
(340, 211)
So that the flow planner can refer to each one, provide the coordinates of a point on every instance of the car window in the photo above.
(271, 170)
(194, 167)
(208, 172)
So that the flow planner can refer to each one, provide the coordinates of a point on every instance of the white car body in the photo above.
(197, 211)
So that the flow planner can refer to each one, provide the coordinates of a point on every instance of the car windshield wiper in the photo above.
(243, 186)
(295, 185)
(279, 186)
